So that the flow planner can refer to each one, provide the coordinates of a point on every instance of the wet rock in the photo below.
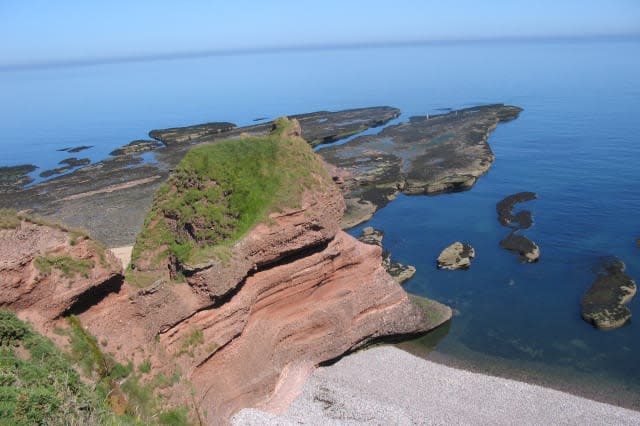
(400, 272)
(137, 147)
(13, 178)
(457, 256)
(604, 303)
(426, 155)
(180, 135)
(521, 220)
(373, 236)
(74, 150)
(68, 164)
(528, 250)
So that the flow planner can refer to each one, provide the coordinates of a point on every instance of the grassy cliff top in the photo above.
(219, 191)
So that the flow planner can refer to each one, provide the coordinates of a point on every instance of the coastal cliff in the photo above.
(241, 283)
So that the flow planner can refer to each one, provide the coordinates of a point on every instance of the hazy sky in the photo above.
(34, 31)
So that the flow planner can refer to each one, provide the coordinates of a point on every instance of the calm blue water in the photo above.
(577, 144)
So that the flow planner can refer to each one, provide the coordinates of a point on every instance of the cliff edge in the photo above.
(241, 281)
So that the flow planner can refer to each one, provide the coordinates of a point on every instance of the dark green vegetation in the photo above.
(69, 266)
(39, 384)
(220, 191)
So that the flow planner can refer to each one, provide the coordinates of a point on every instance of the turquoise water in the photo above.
(577, 145)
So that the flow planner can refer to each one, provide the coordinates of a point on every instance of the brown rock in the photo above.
(46, 271)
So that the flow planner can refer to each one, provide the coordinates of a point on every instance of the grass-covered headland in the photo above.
(220, 191)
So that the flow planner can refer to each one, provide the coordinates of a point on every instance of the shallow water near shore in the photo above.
(575, 145)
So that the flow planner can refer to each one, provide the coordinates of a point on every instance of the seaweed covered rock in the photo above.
(604, 303)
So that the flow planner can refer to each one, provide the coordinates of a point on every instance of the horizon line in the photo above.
(241, 51)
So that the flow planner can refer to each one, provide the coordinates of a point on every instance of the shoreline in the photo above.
(592, 386)
(387, 385)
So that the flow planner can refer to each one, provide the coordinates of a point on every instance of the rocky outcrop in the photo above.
(456, 256)
(401, 273)
(246, 328)
(189, 134)
(12, 178)
(604, 304)
(47, 271)
(136, 147)
(67, 165)
(426, 155)
(110, 198)
(528, 250)
(521, 220)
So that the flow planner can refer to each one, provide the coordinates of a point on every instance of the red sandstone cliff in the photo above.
(244, 333)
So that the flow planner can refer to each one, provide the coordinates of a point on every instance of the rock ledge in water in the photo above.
(457, 256)
(604, 304)
(528, 250)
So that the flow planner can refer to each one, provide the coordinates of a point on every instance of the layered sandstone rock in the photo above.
(47, 271)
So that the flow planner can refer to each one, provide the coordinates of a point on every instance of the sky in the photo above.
(40, 32)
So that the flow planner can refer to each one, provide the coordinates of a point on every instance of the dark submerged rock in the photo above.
(75, 150)
(521, 220)
(528, 250)
(604, 303)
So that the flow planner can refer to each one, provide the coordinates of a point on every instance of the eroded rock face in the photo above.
(46, 272)
(456, 256)
(604, 304)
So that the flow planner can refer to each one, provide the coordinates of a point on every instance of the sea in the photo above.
(576, 145)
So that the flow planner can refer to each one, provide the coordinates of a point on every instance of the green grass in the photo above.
(145, 367)
(220, 191)
(38, 384)
(194, 339)
(69, 266)
(9, 219)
